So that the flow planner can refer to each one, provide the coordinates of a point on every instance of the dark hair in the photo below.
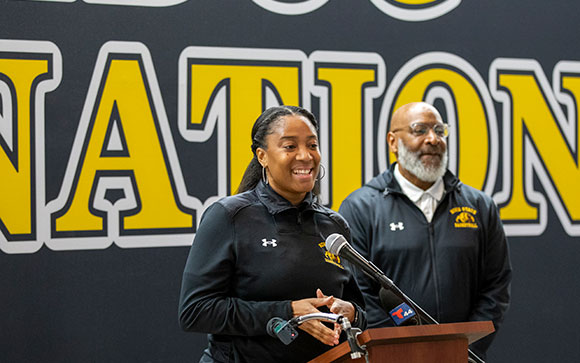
(263, 127)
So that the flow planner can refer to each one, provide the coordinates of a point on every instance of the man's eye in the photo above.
(420, 130)
(314, 146)
(289, 147)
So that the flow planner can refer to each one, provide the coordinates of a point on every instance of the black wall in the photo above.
(120, 305)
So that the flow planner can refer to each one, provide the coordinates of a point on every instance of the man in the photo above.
(440, 241)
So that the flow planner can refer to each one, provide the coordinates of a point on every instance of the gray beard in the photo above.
(412, 162)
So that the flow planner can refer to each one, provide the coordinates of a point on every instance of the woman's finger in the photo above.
(321, 332)
(343, 308)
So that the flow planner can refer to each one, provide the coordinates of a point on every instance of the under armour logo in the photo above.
(395, 226)
(267, 243)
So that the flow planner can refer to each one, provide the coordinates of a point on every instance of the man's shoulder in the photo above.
(368, 195)
(365, 191)
(472, 192)
(476, 196)
(363, 195)
(375, 187)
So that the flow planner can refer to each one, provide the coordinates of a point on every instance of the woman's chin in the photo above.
(304, 183)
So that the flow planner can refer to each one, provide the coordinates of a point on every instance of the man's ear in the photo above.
(262, 157)
(392, 142)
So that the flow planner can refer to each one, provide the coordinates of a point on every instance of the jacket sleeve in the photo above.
(207, 301)
(357, 216)
(494, 289)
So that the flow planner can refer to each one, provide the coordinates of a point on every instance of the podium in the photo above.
(443, 343)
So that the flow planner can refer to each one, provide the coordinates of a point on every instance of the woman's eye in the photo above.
(289, 147)
(314, 146)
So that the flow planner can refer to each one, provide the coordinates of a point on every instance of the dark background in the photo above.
(120, 305)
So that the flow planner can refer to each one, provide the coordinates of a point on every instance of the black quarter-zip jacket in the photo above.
(456, 268)
(252, 255)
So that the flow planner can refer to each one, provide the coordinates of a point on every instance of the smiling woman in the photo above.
(260, 254)
(291, 157)
(284, 135)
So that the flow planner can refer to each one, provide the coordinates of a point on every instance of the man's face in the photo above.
(412, 162)
(418, 139)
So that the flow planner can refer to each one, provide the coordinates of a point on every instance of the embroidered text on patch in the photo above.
(465, 217)
(329, 257)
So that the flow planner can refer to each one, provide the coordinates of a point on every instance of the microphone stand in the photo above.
(336, 242)
(388, 284)
(357, 350)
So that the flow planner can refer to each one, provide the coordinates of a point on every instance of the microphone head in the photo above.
(274, 326)
(399, 311)
(282, 330)
(388, 299)
(334, 243)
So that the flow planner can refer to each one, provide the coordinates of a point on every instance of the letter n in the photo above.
(540, 142)
(28, 70)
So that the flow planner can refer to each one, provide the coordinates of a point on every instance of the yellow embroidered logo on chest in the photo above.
(464, 217)
(329, 257)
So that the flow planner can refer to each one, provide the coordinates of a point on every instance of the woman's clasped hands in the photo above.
(315, 327)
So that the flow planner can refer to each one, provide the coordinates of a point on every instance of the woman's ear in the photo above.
(262, 157)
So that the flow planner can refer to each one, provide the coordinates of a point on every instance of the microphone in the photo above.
(399, 311)
(282, 330)
(330, 317)
(338, 245)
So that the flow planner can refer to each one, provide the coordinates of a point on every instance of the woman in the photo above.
(260, 254)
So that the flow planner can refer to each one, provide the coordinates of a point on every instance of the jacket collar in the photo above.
(388, 184)
(275, 203)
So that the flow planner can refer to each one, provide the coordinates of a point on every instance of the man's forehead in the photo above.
(424, 115)
(415, 112)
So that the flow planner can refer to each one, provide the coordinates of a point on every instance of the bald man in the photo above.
(442, 242)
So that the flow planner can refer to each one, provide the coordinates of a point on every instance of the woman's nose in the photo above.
(304, 154)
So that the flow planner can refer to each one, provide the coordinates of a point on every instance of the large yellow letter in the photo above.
(538, 140)
(121, 183)
(473, 141)
(227, 89)
(28, 69)
(347, 83)
(18, 78)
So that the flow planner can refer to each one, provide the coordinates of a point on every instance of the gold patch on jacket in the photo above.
(329, 257)
(464, 217)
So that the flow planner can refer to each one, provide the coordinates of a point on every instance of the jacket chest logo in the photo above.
(329, 257)
(464, 217)
(397, 226)
(271, 243)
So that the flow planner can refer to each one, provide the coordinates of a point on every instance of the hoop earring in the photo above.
(321, 168)
(264, 176)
